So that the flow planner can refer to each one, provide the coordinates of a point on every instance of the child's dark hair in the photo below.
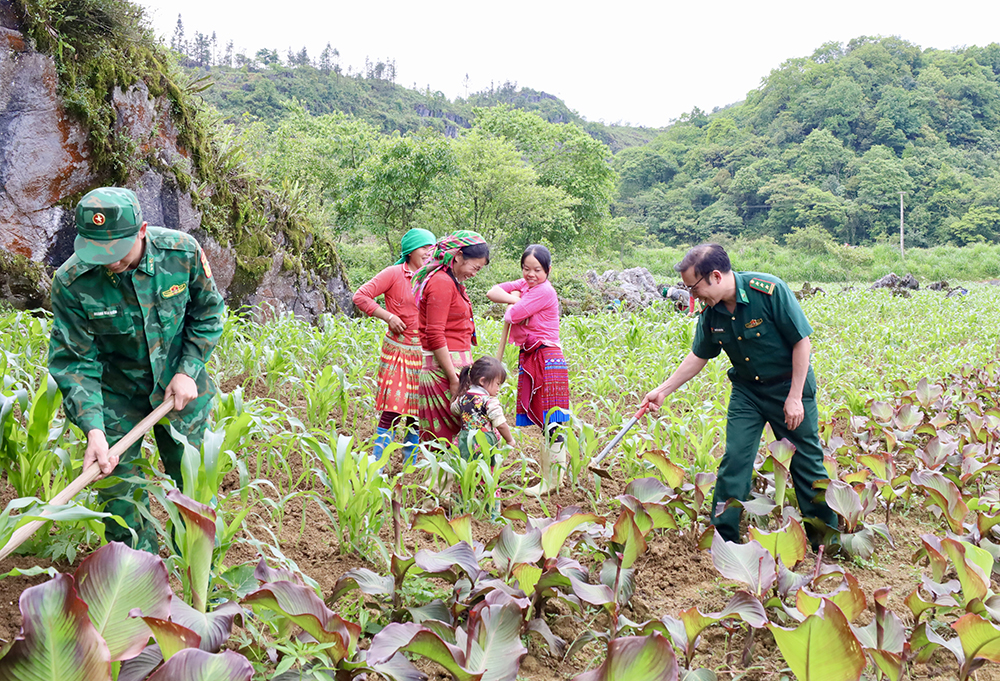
(539, 253)
(483, 370)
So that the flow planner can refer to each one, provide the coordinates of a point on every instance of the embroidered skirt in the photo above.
(434, 400)
(398, 377)
(542, 384)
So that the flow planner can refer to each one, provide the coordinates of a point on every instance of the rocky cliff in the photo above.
(50, 156)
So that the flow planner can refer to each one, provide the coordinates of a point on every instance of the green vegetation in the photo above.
(909, 418)
(829, 141)
(819, 154)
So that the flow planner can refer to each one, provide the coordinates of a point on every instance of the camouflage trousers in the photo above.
(121, 498)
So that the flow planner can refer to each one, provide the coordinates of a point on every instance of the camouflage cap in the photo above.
(107, 221)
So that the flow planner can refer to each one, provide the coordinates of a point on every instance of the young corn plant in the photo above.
(354, 493)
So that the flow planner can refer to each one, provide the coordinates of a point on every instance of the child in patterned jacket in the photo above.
(478, 407)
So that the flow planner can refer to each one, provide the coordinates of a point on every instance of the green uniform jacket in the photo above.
(100, 342)
(759, 334)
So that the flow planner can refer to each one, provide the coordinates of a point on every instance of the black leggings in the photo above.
(390, 419)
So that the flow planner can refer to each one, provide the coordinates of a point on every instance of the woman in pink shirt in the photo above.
(543, 380)
(399, 367)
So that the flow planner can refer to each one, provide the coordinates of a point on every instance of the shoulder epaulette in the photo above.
(72, 269)
(173, 240)
(762, 285)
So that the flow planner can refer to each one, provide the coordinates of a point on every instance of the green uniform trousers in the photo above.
(121, 414)
(750, 407)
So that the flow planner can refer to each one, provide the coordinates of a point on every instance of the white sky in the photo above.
(643, 63)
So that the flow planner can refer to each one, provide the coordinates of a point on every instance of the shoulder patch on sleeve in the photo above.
(762, 285)
(72, 269)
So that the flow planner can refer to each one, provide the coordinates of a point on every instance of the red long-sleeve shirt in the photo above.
(445, 315)
(394, 283)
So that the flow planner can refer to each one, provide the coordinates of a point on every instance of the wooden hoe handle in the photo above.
(22, 534)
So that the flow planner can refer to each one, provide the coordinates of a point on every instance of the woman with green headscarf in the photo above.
(446, 328)
(399, 367)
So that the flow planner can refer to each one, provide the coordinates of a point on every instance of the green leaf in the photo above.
(199, 541)
(527, 577)
(973, 566)
(742, 605)
(512, 548)
(980, 639)
(845, 502)
(748, 563)
(672, 474)
(420, 640)
(170, 636)
(556, 534)
(789, 543)
(214, 627)
(944, 494)
(363, 579)
(494, 641)
(849, 597)
(629, 537)
(822, 648)
(58, 642)
(303, 607)
(197, 665)
(461, 554)
(436, 522)
(636, 657)
(268, 574)
(113, 581)
(648, 489)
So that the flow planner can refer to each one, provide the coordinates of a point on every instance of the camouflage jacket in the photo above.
(102, 342)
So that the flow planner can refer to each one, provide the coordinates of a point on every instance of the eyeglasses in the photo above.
(695, 284)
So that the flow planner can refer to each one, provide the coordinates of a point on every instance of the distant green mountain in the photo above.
(821, 151)
(260, 90)
(824, 149)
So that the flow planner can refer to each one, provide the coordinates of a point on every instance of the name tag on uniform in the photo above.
(101, 314)
(174, 290)
(718, 330)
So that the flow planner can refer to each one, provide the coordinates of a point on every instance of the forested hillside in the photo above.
(820, 153)
(828, 142)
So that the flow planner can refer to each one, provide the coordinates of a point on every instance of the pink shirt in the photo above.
(394, 283)
(536, 316)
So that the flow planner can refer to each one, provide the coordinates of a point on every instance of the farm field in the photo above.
(608, 571)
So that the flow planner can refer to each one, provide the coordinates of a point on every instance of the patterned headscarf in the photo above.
(444, 252)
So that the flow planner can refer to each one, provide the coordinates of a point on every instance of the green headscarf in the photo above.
(414, 239)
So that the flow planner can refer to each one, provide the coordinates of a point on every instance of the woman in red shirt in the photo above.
(446, 328)
(543, 379)
(399, 367)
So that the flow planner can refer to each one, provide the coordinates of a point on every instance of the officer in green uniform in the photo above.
(757, 321)
(136, 317)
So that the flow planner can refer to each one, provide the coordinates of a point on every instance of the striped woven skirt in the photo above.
(434, 400)
(398, 377)
(542, 385)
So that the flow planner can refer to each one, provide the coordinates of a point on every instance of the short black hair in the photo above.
(477, 251)
(539, 253)
(705, 259)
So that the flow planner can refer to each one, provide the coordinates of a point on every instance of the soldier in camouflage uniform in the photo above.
(136, 317)
(757, 321)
